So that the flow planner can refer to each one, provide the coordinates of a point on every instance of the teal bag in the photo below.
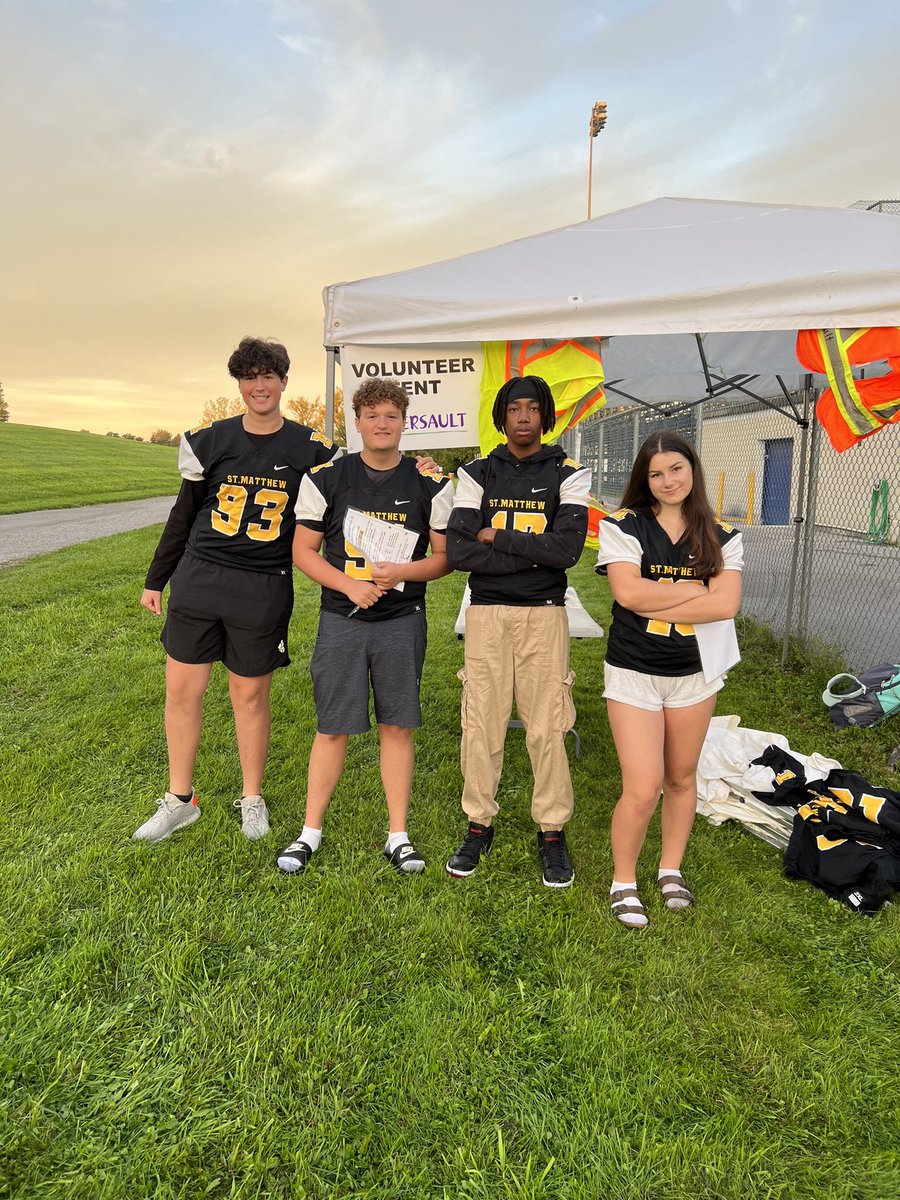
(868, 700)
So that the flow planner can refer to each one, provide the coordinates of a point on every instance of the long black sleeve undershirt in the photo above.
(466, 553)
(175, 535)
(558, 547)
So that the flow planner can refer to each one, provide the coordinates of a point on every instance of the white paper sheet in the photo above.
(718, 646)
(379, 541)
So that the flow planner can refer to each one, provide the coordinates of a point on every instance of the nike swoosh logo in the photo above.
(284, 468)
(535, 490)
(396, 502)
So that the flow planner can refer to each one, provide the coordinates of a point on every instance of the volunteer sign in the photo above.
(443, 384)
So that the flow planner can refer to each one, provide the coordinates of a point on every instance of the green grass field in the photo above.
(58, 468)
(184, 1021)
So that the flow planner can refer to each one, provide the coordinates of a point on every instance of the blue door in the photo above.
(776, 490)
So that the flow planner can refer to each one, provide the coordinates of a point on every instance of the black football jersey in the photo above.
(637, 643)
(846, 835)
(247, 519)
(538, 505)
(420, 502)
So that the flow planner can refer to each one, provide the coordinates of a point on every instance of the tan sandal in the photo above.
(625, 903)
(673, 888)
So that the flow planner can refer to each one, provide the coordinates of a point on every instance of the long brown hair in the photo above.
(700, 522)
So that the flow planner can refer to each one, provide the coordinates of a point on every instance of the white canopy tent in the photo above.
(693, 299)
(671, 283)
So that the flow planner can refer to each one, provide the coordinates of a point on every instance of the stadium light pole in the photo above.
(598, 120)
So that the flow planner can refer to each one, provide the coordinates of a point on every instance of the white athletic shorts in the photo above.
(656, 692)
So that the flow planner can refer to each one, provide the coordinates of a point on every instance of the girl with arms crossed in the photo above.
(670, 566)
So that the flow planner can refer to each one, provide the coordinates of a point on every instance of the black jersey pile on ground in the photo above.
(846, 834)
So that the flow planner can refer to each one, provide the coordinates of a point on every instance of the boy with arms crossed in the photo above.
(519, 520)
(368, 629)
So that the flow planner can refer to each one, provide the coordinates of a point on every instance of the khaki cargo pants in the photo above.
(521, 654)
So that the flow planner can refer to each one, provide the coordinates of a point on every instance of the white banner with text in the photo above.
(443, 384)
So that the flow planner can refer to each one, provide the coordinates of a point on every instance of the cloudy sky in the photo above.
(178, 173)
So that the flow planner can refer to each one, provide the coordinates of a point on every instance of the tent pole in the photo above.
(330, 353)
(599, 476)
(809, 533)
(798, 518)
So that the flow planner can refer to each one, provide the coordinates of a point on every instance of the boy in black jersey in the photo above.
(226, 549)
(367, 627)
(519, 520)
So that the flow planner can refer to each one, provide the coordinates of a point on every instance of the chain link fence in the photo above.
(821, 529)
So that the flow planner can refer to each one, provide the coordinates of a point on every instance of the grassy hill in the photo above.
(58, 468)
(182, 1020)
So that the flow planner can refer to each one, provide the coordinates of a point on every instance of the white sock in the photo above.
(312, 837)
(395, 840)
(617, 885)
(636, 919)
(673, 901)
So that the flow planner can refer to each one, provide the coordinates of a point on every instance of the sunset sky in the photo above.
(177, 173)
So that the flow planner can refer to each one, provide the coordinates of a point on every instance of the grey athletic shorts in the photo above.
(351, 653)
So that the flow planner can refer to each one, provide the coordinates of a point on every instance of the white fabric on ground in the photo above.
(726, 781)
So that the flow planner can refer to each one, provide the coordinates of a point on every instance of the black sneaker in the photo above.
(477, 841)
(558, 870)
(293, 859)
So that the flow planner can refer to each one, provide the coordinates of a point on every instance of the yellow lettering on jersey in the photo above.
(836, 800)
(784, 776)
(727, 528)
(522, 522)
(436, 475)
(321, 467)
(871, 805)
(570, 462)
(622, 512)
(205, 425)
(356, 566)
(816, 806)
(395, 515)
(825, 843)
(269, 525)
(227, 517)
(664, 628)
(320, 437)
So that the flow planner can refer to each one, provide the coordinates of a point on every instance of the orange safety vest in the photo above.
(852, 409)
(596, 513)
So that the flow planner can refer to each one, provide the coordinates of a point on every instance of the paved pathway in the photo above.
(22, 535)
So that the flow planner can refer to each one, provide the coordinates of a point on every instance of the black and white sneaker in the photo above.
(558, 871)
(477, 841)
(294, 858)
(406, 859)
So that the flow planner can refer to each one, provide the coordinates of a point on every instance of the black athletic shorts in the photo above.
(350, 653)
(225, 614)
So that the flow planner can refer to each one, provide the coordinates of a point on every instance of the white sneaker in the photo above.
(254, 816)
(171, 814)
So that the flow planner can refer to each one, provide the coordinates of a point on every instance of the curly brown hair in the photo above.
(257, 356)
(376, 391)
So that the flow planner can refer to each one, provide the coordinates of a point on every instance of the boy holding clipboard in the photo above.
(372, 620)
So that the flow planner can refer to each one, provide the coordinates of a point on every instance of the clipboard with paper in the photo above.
(377, 541)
